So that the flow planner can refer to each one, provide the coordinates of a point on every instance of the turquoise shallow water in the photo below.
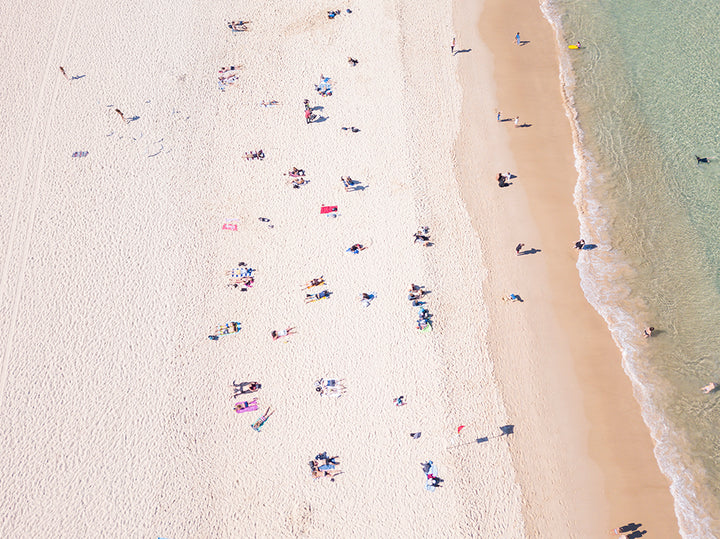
(644, 93)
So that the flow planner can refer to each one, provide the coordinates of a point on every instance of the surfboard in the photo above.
(573, 47)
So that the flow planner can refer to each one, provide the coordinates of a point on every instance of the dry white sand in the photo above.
(116, 409)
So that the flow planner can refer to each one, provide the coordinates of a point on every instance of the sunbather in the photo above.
(352, 61)
(328, 460)
(282, 333)
(245, 387)
(246, 406)
(316, 297)
(355, 249)
(314, 282)
(226, 69)
(297, 182)
(238, 26)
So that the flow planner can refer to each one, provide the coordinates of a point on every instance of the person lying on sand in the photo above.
(328, 460)
(355, 249)
(245, 387)
(352, 61)
(297, 182)
(325, 470)
(282, 333)
(296, 172)
(226, 69)
(712, 386)
(270, 103)
(314, 282)
(309, 298)
(244, 405)
(238, 26)
(348, 183)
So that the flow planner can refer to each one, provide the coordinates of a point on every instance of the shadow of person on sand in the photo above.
(462, 51)
(529, 251)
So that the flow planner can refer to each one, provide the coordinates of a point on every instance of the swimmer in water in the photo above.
(702, 159)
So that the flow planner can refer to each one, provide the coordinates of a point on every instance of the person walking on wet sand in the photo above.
(517, 39)
(518, 248)
(647, 333)
(122, 116)
(62, 70)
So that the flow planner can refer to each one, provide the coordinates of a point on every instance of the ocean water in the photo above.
(643, 94)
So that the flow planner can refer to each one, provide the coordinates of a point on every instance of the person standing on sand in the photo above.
(517, 121)
(62, 70)
(122, 116)
(308, 113)
(647, 333)
(498, 116)
(452, 47)
(517, 38)
(518, 248)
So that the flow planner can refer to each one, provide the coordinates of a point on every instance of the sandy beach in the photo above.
(115, 407)
(559, 369)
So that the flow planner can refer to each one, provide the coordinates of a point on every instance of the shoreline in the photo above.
(567, 381)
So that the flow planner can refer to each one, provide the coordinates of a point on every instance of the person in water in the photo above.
(648, 332)
(702, 159)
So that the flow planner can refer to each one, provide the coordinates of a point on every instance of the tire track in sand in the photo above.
(30, 177)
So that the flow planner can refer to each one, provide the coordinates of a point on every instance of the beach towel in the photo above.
(250, 406)
(328, 209)
(79, 154)
(229, 226)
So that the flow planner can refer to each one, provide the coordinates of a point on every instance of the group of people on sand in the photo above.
(502, 179)
(227, 77)
(335, 12)
(324, 466)
(244, 388)
(423, 236)
(255, 155)
(330, 387)
(415, 295)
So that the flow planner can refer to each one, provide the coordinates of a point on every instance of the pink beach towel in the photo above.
(328, 209)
